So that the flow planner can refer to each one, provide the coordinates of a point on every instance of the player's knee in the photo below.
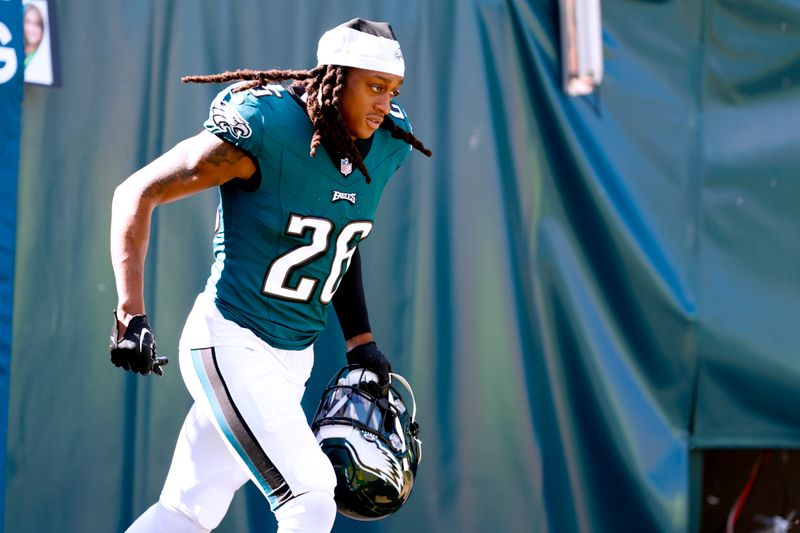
(206, 508)
(160, 519)
(313, 471)
(312, 512)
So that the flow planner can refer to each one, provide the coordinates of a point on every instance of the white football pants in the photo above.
(246, 423)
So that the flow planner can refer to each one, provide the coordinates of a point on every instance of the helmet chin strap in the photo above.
(402, 380)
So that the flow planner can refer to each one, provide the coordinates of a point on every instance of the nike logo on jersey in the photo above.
(226, 118)
(348, 196)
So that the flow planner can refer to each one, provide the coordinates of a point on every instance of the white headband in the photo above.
(352, 48)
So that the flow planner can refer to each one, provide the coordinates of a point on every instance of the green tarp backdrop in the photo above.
(581, 290)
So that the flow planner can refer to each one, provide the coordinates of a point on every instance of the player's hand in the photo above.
(368, 356)
(136, 350)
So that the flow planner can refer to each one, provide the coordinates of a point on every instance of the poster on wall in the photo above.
(40, 43)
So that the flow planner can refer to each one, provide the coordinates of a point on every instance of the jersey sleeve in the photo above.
(400, 118)
(238, 119)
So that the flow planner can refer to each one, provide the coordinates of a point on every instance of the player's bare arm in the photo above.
(358, 340)
(193, 165)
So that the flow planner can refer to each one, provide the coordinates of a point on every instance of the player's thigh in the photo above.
(254, 398)
(203, 476)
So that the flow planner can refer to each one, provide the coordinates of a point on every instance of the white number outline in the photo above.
(264, 90)
(343, 254)
(397, 111)
(280, 270)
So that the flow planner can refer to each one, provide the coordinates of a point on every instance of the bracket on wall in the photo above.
(581, 46)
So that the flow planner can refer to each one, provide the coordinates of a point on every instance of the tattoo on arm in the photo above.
(224, 153)
(157, 187)
(221, 162)
(227, 160)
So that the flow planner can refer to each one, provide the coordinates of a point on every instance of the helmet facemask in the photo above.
(371, 441)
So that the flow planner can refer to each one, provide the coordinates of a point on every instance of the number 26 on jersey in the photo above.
(276, 282)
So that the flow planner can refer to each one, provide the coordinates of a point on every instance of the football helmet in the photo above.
(373, 442)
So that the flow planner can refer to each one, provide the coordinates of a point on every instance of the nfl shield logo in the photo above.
(346, 167)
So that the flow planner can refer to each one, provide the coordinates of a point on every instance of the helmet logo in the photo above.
(378, 462)
(371, 441)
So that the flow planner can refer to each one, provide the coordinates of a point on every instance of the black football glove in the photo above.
(136, 350)
(368, 356)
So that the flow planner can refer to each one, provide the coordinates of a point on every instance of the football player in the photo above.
(300, 170)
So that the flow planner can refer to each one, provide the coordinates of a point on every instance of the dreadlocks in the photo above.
(323, 85)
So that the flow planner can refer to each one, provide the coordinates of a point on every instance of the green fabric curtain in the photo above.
(580, 290)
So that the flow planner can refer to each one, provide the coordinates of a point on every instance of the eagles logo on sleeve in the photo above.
(226, 118)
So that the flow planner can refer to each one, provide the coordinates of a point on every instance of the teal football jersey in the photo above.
(281, 250)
